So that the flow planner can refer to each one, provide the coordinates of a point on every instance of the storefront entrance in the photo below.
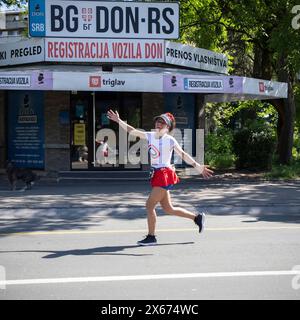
(95, 140)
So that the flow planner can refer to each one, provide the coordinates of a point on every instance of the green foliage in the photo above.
(296, 146)
(218, 149)
(284, 171)
(18, 3)
(254, 146)
(258, 38)
(297, 102)
(226, 114)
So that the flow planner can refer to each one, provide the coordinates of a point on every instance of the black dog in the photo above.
(14, 174)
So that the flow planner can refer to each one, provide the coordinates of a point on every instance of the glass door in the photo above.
(131, 111)
(98, 143)
(81, 103)
(111, 143)
(106, 133)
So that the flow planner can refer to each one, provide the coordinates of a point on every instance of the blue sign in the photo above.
(37, 18)
(182, 106)
(26, 129)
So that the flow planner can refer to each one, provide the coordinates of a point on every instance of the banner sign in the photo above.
(145, 81)
(21, 52)
(86, 81)
(27, 80)
(265, 87)
(26, 128)
(202, 83)
(111, 50)
(187, 56)
(104, 50)
(103, 19)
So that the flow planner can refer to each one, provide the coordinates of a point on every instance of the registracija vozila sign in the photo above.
(101, 19)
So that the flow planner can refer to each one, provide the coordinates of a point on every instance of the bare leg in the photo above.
(167, 206)
(156, 196)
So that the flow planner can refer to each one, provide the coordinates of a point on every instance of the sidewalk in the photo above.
(218, 191)
(52, 206)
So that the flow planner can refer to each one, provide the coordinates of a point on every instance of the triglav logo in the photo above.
(95, 81)
(98, 82)
(265, 87)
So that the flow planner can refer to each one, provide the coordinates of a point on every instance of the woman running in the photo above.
(161, 146)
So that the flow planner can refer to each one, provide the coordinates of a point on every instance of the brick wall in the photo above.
(57, 135)
(2, 130)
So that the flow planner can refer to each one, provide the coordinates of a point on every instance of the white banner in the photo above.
(187, 56)
(85, 81)
(265, 87)
(204, 84)
(103, 19)
(102, 50)
(21, 52)
(9, 80)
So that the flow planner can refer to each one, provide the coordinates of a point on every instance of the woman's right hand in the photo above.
(113, 116)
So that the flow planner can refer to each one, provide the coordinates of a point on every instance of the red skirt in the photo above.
(164, 177)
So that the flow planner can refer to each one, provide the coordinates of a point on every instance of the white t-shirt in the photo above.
(161, 149)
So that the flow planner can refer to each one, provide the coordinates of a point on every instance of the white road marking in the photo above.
(150, 277)
(66, 232)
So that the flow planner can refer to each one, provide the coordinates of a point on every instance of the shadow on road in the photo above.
(108, 250)
(81, 206)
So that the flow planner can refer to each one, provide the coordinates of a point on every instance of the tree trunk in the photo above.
(285, 126)
(285, 107)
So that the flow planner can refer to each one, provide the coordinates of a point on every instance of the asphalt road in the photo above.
(79, 242)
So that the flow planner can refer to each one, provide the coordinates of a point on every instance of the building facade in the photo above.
(55, 90)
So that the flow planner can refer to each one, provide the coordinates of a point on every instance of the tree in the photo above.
(9, 3)
(259, 35)
(18, 3)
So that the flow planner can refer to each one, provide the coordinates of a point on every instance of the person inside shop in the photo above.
(103, 150)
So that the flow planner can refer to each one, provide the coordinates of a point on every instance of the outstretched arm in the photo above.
(114, 116)
(202, 169)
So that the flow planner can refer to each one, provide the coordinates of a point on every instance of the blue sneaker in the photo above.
(199, 220)
(148, 241)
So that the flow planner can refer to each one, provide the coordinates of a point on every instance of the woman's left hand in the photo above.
(207, 173)
(204, 170)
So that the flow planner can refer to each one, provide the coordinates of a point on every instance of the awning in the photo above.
(215, 87)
